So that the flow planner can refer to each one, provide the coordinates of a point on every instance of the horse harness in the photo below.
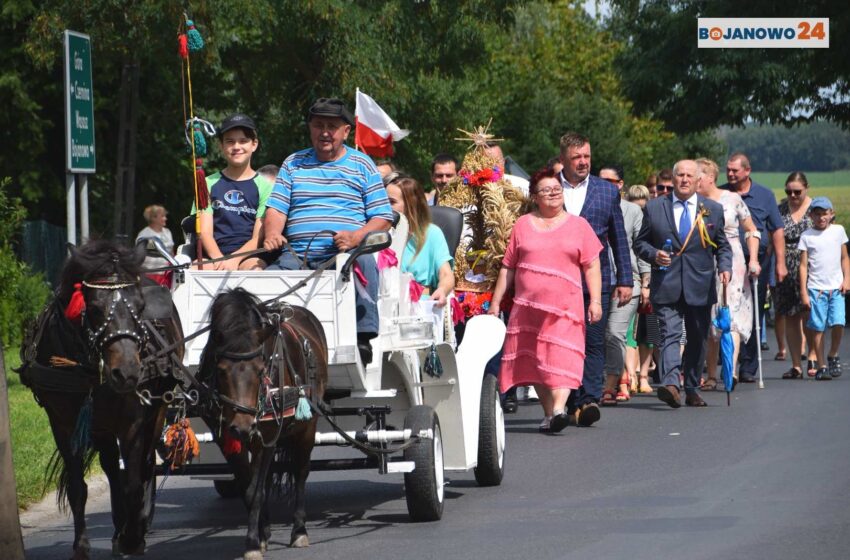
(272, 399)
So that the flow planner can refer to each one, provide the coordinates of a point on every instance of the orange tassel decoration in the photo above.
(183, 46)
(74, 311)
(181, 443)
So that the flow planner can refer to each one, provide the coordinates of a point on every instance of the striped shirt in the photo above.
(315, 195)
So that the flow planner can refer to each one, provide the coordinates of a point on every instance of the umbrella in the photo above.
(723, 323)
(758, 326)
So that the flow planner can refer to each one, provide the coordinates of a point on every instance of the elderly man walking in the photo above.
(682, 286)
(328, 188)
(598, 202)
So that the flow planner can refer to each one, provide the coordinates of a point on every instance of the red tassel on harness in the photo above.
(183, 46)
(203, 192)
(230, 445)
(74, 311)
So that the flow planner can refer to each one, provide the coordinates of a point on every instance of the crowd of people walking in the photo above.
(607, 285)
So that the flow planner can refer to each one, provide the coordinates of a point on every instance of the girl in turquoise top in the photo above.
(426, 255)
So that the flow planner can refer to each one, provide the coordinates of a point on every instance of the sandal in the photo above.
(793, 373)
(710, 384)
(812, 368)
(780, 356)
(609, 398)
(645, 387)
(623, 394)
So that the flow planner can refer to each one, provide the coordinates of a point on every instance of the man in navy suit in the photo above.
(685, 290)
(598, 202)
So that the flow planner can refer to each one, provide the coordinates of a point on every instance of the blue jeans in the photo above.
(367, 312)
(593, 378)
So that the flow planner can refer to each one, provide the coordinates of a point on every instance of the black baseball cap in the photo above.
(330, 107)
(237, 121)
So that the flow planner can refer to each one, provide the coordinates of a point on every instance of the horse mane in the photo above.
(232, 322)
(97, 258)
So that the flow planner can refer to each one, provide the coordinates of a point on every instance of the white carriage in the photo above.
(456, 418)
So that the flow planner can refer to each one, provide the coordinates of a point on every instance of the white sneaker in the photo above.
(532, 394)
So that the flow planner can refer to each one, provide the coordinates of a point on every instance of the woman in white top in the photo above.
(157, 217)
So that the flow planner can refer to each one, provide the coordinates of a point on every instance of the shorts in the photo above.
(827, 309)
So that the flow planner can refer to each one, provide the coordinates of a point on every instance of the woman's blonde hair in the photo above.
(637, 192)
(153, 212)
(415, 210)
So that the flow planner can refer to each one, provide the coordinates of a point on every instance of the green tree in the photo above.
(691, 89)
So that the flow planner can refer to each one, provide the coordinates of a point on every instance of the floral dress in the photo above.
(787, 298)
(739, 293)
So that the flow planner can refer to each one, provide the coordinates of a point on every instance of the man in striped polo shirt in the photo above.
(330, 187)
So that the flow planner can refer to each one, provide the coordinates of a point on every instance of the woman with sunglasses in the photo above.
(795, 219)
(739, 296)
(548, 254)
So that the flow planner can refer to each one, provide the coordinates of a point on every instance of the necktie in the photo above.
(684, 222)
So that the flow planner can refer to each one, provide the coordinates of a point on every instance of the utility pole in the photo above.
(11, 542)
(125, 187)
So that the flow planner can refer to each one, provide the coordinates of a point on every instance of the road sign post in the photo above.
(79, 127)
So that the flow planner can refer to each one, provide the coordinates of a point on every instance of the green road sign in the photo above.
(79, 104)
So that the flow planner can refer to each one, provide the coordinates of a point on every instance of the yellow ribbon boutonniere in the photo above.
(699, 225)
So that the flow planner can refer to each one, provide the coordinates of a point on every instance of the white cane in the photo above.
(758, 326)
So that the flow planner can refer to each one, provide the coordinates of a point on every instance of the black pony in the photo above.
(263, 366)
(87, 371)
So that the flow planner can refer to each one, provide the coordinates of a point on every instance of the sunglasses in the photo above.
(610, 180)
(792, 192)
(663, 188)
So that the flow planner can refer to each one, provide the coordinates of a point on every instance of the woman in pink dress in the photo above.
(544, 261)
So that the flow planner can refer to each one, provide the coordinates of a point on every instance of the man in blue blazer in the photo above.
(682, 287)
(598, 202)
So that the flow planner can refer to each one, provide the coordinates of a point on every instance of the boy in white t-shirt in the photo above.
(824, 279)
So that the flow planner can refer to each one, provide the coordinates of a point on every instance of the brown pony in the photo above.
(87, 372)
(262, 366)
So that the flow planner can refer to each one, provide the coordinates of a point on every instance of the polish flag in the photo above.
(374, 130)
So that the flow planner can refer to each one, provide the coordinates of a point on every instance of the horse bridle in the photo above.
(103, 335)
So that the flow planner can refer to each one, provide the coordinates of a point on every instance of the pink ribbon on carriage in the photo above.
(360, 283)
(416, 290)
(387, 259)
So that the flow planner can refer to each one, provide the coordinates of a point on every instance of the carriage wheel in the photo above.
(491, 435)
(227, 489)
(423, 488)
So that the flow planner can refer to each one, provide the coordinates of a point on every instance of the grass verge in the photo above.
(32, 441)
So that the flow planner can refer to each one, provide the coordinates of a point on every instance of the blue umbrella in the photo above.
(723, 323)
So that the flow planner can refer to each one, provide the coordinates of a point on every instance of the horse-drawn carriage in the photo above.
(108, 357)
(404, 417)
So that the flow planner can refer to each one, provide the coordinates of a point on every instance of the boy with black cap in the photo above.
(824, 279)
(329, 188)
(233, 222)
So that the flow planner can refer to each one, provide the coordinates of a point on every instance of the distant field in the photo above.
(835, 185)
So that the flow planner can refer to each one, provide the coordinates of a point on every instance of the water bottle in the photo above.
(667, 248)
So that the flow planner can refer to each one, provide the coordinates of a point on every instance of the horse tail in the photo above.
(57, 473)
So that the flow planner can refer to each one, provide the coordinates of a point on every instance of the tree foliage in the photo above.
(811, 147)
(538, 68)
(691, 89)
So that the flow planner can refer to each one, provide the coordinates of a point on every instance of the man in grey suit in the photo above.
(619, 318)
(682, 287)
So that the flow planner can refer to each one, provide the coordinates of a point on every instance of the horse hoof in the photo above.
(301, 541)
(264, 546)
(129, 550)
(80, 554)
(253, 555)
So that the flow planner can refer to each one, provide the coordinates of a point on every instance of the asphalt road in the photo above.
(768, 477)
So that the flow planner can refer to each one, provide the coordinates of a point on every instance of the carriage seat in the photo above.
(450, 221)
(189, 245)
